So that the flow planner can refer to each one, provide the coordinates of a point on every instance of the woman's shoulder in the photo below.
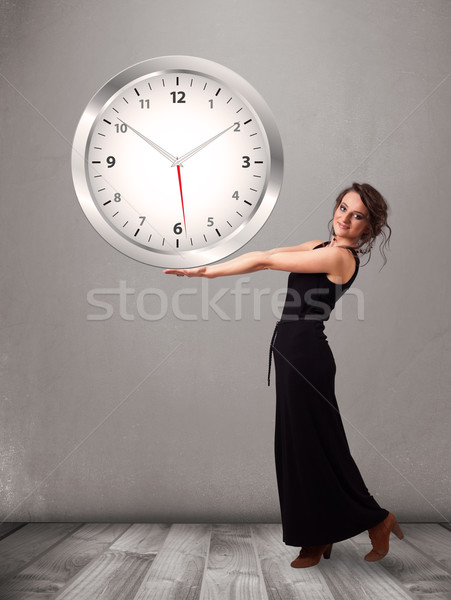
(346, 264)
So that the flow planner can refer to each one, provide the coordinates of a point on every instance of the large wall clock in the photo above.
(177, 161)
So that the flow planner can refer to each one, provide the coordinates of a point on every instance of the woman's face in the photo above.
(351, 218)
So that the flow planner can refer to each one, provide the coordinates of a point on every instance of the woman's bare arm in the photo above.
(321, 260)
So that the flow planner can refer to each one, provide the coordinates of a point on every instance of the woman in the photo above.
(323, 498)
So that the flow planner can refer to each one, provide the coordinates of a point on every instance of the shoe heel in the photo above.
(327, 551)
(397, 530)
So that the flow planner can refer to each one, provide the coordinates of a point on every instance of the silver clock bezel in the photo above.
(177, 258)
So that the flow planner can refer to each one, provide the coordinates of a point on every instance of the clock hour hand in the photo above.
(182, 159)
(153, 144)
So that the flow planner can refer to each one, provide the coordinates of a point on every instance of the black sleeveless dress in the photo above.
(323, 498)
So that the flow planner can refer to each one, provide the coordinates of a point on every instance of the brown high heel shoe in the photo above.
(379, 536)
(310, 556)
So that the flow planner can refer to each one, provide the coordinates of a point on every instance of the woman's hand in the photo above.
(196, 272)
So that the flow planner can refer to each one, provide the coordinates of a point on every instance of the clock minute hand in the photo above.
(182, 159)
(153, 144)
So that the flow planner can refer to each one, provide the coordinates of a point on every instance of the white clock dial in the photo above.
(177, 162)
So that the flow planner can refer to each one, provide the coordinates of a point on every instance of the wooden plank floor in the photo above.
(151, 561)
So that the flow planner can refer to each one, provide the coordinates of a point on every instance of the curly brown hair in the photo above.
(378, 209)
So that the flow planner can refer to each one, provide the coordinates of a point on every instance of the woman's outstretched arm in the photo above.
(322, 260)
(247, 263)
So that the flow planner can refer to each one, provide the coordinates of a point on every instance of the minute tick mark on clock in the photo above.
(218, 92)
(109, 122)
(137, 93)
(246, 202)
(246, 122)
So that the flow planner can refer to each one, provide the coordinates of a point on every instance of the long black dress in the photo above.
(323, 498)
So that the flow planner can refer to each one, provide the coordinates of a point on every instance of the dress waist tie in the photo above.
(271, 349)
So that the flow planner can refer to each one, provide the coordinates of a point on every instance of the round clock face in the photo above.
(177, 162)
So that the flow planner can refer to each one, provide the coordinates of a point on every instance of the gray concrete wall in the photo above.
(148, 417)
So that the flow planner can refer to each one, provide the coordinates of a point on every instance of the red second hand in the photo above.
(181, 196)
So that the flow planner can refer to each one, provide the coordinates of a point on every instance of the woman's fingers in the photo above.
(178, 272)
(197, 272)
